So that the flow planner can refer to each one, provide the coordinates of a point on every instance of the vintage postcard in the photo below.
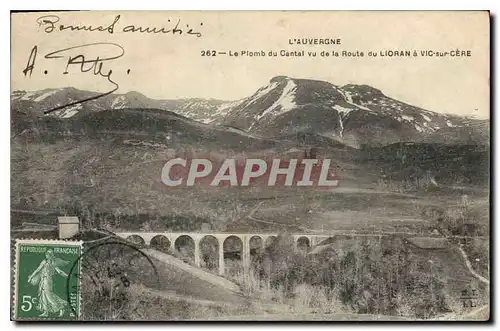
(250, 166)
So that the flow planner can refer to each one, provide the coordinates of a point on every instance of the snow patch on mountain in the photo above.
(343, 113)
(347, 95)
(44, 95)
(68, 111)
(348, 98)
(449, 124)
(408, 118)
(224, 108)
(16, 95)
(118, 102)
(27, 96)
(286, 101)
(262, 92)
(427, 118)
(361, 106)
(342, 110)
(341, 124)
(242, 132)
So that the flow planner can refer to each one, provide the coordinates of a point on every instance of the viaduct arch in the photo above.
(249, 241)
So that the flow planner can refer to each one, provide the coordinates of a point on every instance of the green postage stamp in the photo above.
(43, 288)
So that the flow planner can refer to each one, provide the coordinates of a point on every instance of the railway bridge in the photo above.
(246, 242)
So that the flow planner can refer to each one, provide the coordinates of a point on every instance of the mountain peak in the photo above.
(363, 89)
(355, 114)
(135, 95)
(279, 79)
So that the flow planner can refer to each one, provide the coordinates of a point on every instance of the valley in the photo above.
(401, 170)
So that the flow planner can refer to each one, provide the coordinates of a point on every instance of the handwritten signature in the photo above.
(83, 58)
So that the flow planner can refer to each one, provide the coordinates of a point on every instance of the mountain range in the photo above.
(354, 115)
(108, 153)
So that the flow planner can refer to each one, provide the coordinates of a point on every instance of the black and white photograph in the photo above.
(250, 166)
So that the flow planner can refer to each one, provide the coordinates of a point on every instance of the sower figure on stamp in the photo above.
(48, 301)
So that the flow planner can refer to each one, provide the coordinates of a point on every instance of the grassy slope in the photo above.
(91, 159)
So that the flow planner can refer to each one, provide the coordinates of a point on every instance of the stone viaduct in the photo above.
(246, 240)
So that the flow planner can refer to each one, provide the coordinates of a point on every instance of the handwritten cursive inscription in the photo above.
(50, 23)
(84, 58)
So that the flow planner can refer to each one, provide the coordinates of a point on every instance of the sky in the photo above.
(167, 66)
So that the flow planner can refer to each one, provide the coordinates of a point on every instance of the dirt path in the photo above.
(204, 276)
(471, 269)
(181, 298)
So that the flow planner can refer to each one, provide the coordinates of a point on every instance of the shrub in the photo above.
(364, 279)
